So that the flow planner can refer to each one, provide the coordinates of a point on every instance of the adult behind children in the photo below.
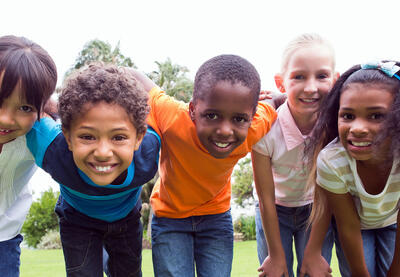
(359, 174)
(28, 77)
(280, 171)
(101, 159)
(201, 143)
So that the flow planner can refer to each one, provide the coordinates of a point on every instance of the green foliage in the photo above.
(100, 51)
(173, 80)
(247, 226)
(242, 179)
(41, 218)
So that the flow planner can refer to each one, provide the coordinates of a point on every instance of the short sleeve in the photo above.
(328, 175)
(262, 146)
(41, 136)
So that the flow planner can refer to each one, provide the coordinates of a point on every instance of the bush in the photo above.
(247, 226)
(41, 218)
(51, 240)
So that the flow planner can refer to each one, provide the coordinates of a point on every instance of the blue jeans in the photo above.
(9, 257)
(292, 226)
(83, 238)
(183, 244)
(378, 247)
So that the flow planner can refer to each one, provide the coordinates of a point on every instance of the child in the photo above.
(28, 77)
(201, 143)
(101, 159)
(358, 174)
(280, 174)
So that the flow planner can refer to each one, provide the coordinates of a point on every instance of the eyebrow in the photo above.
(368, 108)
(112, 130)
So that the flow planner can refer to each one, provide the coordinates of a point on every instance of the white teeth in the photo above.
(103, 168)
(222, 145)
(5, 130)
(309, 100)
(361, 143)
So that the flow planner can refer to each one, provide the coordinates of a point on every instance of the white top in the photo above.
(337, 173)
(284, 144)
(16, 168)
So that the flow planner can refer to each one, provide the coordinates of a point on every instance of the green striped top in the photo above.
(337, 173)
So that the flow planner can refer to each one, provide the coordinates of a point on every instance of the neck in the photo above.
(305, 122)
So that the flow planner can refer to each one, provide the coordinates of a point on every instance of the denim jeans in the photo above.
(292, 226)
(83, 238)
(378, 247)
(204, 243)
(10, 252)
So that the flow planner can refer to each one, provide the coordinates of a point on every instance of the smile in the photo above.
(102, 169)
(309, 100)
(360, 143)
(222, 144)
(5, 131)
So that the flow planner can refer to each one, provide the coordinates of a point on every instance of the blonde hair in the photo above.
(302, 41)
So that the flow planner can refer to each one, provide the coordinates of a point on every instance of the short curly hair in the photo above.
(232, 68)
(109, 83)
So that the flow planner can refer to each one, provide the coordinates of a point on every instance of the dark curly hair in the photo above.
(24, 61)
(226, 68)
(326, 127)
(108, 83)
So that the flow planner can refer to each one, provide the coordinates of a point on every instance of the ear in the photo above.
(191, 110)
(336, 76)
(279, 82)
(139, 139)
(67, 136)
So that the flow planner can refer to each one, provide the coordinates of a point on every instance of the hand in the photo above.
(273, 268)
(315, 266)
(274, 99)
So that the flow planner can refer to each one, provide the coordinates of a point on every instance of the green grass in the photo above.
(50, 263)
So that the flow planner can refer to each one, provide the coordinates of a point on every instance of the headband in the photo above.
(389, 68)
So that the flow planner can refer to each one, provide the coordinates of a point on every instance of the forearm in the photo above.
(271, 229)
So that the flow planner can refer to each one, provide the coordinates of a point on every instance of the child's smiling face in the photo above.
(362, 111)
(102, 140)
(16, 116)
(222, 117)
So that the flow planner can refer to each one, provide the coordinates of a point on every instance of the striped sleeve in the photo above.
(330, 173)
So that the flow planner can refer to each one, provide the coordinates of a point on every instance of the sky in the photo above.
(191, 32)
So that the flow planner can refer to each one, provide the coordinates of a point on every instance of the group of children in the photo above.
(325, 164)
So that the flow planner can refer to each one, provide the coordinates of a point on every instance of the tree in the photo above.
(173, 80)
(101, 51)
(41, 218)
(242, 180)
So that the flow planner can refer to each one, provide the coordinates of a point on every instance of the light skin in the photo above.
(307, 79)
(361, 115)
(16, 116)
(222, 117)
(103, 140)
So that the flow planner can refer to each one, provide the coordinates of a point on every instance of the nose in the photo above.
(6, 117)
(103, 151)
(311, 85)
(359, 128)
(225, 129)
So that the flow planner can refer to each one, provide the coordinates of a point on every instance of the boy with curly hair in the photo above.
(101, 159)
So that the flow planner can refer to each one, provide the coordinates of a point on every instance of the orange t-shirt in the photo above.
(192, 182)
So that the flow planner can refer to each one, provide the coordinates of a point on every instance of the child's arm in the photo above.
(275, 263)
(394, 270)
(147, 83)
(314, 264)
(349, 228)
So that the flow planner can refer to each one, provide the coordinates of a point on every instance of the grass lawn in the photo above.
(50, 263)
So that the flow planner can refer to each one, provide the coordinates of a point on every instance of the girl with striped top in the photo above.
(358, 173)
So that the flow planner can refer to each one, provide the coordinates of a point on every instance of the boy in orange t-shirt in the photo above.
(200, 144)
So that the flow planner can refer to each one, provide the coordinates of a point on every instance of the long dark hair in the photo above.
(326, 127)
